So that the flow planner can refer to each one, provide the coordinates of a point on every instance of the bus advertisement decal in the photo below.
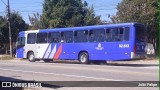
(58, 52)
(47, 50)
(99, 47)
(51, 55)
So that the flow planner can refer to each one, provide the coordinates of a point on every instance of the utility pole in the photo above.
(9, 24)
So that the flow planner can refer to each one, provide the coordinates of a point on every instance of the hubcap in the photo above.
(83, 58)
(31, 57)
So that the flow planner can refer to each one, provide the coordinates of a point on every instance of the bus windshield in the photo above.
(20, 42)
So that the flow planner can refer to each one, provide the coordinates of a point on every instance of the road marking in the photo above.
(67, 75)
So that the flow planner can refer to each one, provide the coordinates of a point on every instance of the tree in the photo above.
(35, 21)
(67, 13)
(90, 18)
(143, 11)
(17, 25)
(3, 28)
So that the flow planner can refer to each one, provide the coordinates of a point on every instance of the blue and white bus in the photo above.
(124, 41)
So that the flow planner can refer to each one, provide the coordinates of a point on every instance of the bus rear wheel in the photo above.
(31, 57)
(83, 58)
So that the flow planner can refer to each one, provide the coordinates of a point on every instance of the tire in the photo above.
(31, 57)
(83, 58)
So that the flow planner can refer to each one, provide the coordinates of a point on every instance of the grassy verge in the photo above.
(152, 57)
(6, 57)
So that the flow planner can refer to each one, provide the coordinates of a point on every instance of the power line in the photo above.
(4, 3)
(27, 6)
(28, 3)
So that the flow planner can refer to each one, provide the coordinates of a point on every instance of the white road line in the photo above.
(67, 75)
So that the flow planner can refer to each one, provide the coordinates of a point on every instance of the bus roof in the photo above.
(81, 27)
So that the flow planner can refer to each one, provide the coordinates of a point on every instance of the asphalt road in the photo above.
(40, 71)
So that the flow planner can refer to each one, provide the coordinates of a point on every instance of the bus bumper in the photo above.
(137, 56)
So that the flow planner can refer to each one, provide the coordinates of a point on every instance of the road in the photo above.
(40, 71)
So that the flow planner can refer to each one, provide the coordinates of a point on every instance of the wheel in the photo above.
(31, 57)
(83, 58)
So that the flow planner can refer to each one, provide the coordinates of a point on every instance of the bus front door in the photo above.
(20, 44)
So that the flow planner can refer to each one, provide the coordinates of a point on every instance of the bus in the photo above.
(111, 42)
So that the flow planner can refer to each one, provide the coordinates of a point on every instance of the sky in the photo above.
(28, 7)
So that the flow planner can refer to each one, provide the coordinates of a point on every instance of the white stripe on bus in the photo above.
(53, 52)
(48, 51)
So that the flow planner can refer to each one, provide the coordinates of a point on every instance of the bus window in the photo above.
(54, 37)
(126, 34)
(117, 34)
(97, 35)
(114, 34)
(111, 34)
(108, 35)
(42, 38)
(31, 39)
(62, 37)
(67, 36)
(91, 36)
(120, 34)
(81, 36)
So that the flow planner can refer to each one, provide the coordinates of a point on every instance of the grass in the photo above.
(152, 57)
(6, 57)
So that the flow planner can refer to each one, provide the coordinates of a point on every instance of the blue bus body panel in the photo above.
(107, 51)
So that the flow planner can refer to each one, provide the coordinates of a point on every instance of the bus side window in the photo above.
(54, 37)
(126, 34)
(31, 38)
(121, 34)
(81, 36)
(91, 36)
(42, 38)
(69, 36)
(62, 37)
(76, 39)
(85, 34)
(100, 34)
(49, 38)
(116, 34)
(108, 35)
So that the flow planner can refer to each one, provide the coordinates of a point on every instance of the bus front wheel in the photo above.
(83, 58)
(31, 57)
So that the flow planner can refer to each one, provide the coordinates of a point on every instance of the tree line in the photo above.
(70, 13)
